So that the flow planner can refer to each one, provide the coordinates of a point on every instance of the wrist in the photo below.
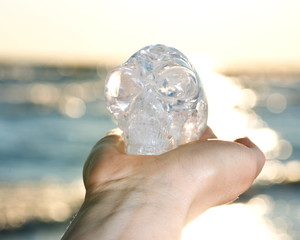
(127, 209)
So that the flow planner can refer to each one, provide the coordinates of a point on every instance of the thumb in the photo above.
(112, 141)
(108, 146)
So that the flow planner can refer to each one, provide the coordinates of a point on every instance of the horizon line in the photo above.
(237, 67)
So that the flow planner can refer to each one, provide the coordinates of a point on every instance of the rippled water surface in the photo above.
(50, 117)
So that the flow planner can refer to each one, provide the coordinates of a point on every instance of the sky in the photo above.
(231, 33)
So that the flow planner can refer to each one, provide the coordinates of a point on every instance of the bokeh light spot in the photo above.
(276, 103)
(44, 94)
(72, 107)
(293, 171)
(247, 98)
(59, 211)
(284, 148)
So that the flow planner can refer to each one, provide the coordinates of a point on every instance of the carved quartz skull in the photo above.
(157, 99)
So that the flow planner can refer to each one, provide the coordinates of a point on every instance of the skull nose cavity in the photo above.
(148, 122)
(152, 131)
(146, 103)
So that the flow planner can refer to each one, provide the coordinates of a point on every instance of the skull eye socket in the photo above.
(122, 85)
(178, 83)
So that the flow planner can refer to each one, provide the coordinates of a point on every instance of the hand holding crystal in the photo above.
(152, 197)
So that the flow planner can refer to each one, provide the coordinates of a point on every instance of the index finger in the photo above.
(258, 153)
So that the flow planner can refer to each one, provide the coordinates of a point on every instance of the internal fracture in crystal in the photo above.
(157, 98)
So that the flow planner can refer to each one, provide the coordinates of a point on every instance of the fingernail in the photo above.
(242, 139)
(245, 141)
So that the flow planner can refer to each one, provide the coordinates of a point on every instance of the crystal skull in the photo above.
(157, 98)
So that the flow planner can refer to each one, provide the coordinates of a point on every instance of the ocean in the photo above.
(51, 116)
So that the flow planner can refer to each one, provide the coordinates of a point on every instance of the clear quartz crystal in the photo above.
(157, 99)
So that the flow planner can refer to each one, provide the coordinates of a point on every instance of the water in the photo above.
(39, 137)
(50, 117)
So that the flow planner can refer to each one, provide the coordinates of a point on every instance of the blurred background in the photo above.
(54, 56)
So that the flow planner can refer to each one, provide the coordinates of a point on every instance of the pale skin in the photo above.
(131, 197)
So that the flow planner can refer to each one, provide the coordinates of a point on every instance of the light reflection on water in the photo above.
(237, 221)
(231, 116)
(44, 201)
(73, 101)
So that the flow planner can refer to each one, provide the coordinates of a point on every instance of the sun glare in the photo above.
(231, 116)
(235, 222)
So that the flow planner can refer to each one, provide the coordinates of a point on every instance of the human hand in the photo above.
(153, 197)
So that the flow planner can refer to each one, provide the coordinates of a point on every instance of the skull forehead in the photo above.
(160, 52)
(151, 59)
